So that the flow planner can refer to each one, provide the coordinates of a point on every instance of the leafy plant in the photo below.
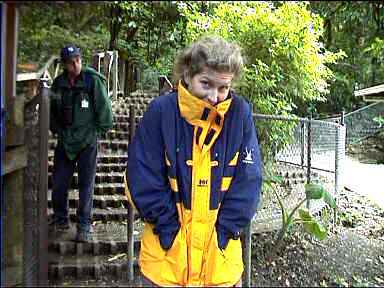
(379, 120)
(310, 224)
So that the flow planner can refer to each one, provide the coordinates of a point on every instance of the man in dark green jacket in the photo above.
(80, 111)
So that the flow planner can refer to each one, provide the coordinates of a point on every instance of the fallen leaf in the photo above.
(379, 279)
(287, 282)
(356, 279)
(116, 257)
(381, 259)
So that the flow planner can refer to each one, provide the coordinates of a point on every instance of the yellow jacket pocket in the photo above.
(160, 266)
(223, 267)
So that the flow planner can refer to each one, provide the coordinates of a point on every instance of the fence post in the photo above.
(130, 212)
(309, 136)
(43, 184)
(247, 256)
(339, 155)
(302, 142)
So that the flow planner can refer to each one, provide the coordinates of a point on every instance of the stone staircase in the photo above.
(104, 259)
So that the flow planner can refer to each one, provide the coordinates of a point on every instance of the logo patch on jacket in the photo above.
(84, 103)
(248, 156)
(203, 183)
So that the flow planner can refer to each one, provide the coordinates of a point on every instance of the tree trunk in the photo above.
(114, 26)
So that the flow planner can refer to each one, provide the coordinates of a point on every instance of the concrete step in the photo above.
(108, 239)
(101, 167)
(109, 146)
(110, 177)
(115, 134)
(87, 267)
(102, 158)
(121, 126)
(99, 201)
(95, 247)
(98, 214)
(121, 117)
(106, 189)
(132, 101)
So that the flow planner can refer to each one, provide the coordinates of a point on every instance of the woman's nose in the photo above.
(212, 96)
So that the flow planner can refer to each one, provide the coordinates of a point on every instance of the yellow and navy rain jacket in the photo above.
(194, 176)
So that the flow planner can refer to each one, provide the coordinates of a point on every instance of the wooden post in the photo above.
(43, 184)
(107, 59)
(130, 214)
(115, 74)
(12, 210)
(122, 75)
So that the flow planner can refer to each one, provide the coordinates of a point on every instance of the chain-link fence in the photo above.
(360, 123)
(314, 152)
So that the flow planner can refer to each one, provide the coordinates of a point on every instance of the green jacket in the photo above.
(91, 110)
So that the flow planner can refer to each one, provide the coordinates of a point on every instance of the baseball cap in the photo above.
(68, 52)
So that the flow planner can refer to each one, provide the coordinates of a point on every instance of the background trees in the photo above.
(357, 28)
(294, 47)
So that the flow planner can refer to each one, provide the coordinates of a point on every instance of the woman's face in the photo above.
(210, 85)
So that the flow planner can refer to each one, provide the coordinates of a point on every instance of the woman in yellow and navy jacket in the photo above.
(194, 172)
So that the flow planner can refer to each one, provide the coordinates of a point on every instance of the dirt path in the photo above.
(365, 179)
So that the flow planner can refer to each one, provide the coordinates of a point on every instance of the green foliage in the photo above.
(291, 47)
(316, 191)
(286, 65)
(379, 120)
(150, 34)
(282, 48)
(311, 225)
(357, 28)
(44, 28)
(145, 33)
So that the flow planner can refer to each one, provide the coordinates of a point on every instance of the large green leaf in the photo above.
(314, 191)
(275, 179)
(311, 225)
(329, 199)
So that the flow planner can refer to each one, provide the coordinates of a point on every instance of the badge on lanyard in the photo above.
(84, 103)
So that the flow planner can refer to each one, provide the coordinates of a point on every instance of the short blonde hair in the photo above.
(210, 51)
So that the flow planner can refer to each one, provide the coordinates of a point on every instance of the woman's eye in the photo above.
(204, 83)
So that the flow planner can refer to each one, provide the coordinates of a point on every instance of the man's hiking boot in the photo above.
(58, 226)
(83, 236)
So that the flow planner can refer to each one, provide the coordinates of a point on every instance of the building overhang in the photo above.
(371, 94)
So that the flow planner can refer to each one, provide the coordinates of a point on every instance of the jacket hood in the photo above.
(93, 72)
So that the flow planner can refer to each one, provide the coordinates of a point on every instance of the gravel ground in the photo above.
(351, 255)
